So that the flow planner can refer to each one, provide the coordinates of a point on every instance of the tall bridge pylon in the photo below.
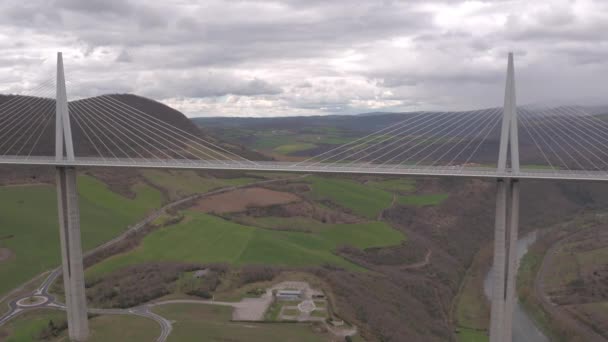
(507, 219)
(69, 217)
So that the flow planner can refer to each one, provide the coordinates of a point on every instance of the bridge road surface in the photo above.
(311, 167)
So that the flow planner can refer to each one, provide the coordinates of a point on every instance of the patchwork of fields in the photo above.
(205, 238)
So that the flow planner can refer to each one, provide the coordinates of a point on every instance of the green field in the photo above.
(422, 200)
(401, 185)
(204, 238)
(28, 217)
(363, 200)
(472, 335)
(28, 326)
(184, 183)
(194, 322)
(291, 148)
(296, 223)
(116, 328)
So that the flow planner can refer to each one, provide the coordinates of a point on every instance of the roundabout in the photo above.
(32, 301)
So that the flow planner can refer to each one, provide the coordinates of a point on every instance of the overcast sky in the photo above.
(302, 57)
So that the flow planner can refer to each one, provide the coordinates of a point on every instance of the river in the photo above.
(524, 329)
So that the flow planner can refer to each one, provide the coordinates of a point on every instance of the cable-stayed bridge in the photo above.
(508, 144)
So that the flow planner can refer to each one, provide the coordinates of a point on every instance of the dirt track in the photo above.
(240, 200)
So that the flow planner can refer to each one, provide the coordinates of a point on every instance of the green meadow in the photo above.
(298, 223)
(363, 200)
(422, 200)
(205, 238)
(29, 227)
(117, 328)
(184, 183)
(291, 148)
(401, 184)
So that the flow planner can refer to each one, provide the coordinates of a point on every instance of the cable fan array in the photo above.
(423, 140)
(133, 129)
(566, 138)
(115, 130)
(25, 120)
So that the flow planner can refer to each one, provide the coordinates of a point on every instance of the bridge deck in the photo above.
(360, 168)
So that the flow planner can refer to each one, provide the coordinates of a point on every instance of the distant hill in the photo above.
(45, 146)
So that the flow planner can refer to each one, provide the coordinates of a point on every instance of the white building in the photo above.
(289, 294)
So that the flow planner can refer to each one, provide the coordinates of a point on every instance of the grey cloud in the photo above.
(124, 57)
(121, 7)
(200, 85)
(307, 56)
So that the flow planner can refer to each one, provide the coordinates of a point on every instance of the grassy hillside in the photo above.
(29, 227)
(204, 238)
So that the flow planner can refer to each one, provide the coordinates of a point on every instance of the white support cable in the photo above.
(576, 141)
(529, 123)
(588, 119)
(427, 121)
(88, 137)
(17, 102)
(149, 123)
(132, 109)
(109, 128)
(112, 117)
(376, 134)
(407, 135)
(451, 129)
(41, 118)
(88, 119)
(476, 124)
(13, 112)
(476, 147)
(18, 97)
(127, 117)
(19, 121)
(538, 146)
(116, 104)
(49, 120)
(526, 112)
(454, 118)
(77, 120)
(574, 126)
(487, 122)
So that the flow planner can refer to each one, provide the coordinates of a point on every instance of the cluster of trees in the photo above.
(52, 330)
(137, 284)
(254, 273)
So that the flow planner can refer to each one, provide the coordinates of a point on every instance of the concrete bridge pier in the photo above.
(507, 218)
(505, 260)
(71, 254)
(69, 216)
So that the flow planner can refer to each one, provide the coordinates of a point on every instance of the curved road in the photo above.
(144, 310)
